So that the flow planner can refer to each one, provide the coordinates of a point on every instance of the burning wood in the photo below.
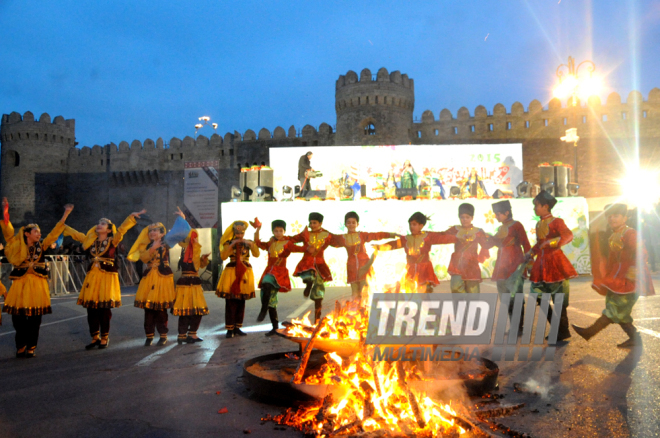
(500, 411)
(297, 377)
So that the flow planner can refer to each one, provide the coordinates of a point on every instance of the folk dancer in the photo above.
(312, 267)
(512, 245)
(155, 292)
(551, 269)
(276, 276)
(100, 292)
(190, 304)
(464, 264)
(28, 298)
(354, 242)
(622, 281)
(420, 276)
(236, 284)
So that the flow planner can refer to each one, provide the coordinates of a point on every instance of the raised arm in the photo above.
(7, 227)
(59, 227)
(127, 225)
(74, 234)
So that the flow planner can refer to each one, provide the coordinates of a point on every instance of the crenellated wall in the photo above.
(42, 168)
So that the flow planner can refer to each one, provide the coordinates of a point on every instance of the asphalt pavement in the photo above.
(590, 389)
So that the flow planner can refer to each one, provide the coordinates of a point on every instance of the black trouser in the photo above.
(189, 323)
(27, 330)
(234, 312)
(99, 319)
(155, 319)
(305, 186)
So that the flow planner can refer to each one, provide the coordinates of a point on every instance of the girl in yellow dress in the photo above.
(236, 284)
(155, 292)
(100, 291)
(29, 296)
(190, 304)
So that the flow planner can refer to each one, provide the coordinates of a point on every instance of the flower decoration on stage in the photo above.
(296, 227)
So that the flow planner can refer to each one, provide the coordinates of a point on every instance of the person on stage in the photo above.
(420, 276)
(276, 276)
(354, 242)
(28, 298)
(155, 292)
(551, 270)
(100, 292)
(464, 264)
(473, 187)
(304, 165)
(512, 245)
(623, 281)
(236, 284)
(312, 267)
(409, 177)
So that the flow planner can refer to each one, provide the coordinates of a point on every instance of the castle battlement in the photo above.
(17, 128)
(593, 119)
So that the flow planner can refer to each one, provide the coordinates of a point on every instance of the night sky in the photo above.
(130, 70)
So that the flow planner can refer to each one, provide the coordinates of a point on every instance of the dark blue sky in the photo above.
(130, 70)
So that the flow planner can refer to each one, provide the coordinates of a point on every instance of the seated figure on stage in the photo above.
(304, 166)
(420, 276)
(473, 187)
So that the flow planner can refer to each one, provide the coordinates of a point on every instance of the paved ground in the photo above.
(593, 389)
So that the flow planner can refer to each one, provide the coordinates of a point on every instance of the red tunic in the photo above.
(465, 259)
(315, 243)
(357, 254)
(509, 239)
(622, 273)
(551, 265)
(278, 251)
(419, 267)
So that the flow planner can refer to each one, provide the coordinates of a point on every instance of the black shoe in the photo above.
(273, 332)
(95, 343)
(148, 342)
(239, 332)
(182, 340)
(230, 334)
(195, 340)
(161, 342)
(30, 354)
(104, 346)
(21, 353)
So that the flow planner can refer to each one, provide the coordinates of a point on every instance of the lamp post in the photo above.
(205, 121)
(571, 86)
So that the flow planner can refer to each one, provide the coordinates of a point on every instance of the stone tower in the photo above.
(374, 111)
(35, 155)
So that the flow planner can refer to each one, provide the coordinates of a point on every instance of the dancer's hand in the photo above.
(180, 213)
(137, 214)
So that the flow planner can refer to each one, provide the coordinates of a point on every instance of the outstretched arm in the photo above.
(59, 227)
(392, 244)
(7, 227)
(127, 225)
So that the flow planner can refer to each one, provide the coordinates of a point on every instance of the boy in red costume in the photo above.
(420, 276)
(512, 243)
(620, 281)
(276, 276)
(551, 270)
(464, 264)
(312, 268)
(354, 242)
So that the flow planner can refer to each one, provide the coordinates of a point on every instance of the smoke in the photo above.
(539, 385)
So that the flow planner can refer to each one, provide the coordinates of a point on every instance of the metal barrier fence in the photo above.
(67, 273)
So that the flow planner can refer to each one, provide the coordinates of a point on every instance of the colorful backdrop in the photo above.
(392, 215)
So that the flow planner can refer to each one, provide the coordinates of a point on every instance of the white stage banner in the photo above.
(392, 216)
(200, 193)
(498, 165)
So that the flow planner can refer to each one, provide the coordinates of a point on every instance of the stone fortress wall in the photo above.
(42, 168)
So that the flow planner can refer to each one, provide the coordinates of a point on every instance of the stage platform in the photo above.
(392, 215)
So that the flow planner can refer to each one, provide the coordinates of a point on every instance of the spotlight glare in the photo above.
(641, 188)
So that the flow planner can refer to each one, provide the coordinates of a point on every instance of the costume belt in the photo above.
(155, 265)
(98, 260)
(189, 274)
(28, 265)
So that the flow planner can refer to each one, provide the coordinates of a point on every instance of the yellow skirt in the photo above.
(190, 301)
(28, 295)
(227, 279)
(100, 290)
(155, 291)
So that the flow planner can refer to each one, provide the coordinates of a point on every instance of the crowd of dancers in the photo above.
(544, 264)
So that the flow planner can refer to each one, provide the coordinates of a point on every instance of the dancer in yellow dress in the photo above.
(190, 304)
(236, 284)
(100, 291)
(28, 298)
(155, 292)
